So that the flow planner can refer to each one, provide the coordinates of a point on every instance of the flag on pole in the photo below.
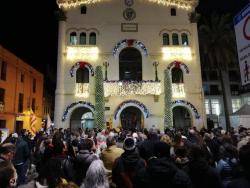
(33, 122)
(49, 122)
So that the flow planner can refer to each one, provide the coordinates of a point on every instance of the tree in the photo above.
(168, 114)
(99, 99)
(217, 44)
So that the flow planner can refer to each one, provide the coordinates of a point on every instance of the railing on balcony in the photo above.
(124, 88)
(178, 91)
(82, 90)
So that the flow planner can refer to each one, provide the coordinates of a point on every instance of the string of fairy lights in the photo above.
(182, 4)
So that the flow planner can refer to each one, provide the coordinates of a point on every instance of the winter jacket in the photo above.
(22, 152)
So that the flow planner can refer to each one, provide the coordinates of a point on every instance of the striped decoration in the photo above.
(33, 123)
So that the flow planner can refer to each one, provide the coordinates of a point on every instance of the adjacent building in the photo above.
(134, 41)
(21, 94)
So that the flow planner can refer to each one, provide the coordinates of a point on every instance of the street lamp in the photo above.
(106, 64)
(155, 64)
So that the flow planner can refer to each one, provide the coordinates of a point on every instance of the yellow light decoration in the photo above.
(178, 91)
(82, 90)
(177, 53)
(129, 88)
(182, 4)
(85, 53)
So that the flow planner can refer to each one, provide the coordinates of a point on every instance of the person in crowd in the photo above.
(181, 159)
(96, 176)
(7, 152)
(84, 158)
(244, 181)
(125, 167)
(161, 171)
(8, 175)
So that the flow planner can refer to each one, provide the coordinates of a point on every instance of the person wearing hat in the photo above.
(126, 166)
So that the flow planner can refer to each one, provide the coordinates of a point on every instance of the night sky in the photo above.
(28, 28)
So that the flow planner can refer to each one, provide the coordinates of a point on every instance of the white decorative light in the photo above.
(82, 90)
(123, 88)
(182, 4)
(178, 91)
(85, 53)
(177, 53)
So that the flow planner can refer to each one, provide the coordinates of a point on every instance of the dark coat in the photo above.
(22, 152)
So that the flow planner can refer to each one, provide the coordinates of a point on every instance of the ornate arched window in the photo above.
(83, 38)
(92, 38)
(177, 75)
(184, 39)
(130, 64)
(73, 38)
(175, 39)
(165, 39)
(82, 75)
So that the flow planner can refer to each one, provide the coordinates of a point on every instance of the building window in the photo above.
(213, 75)
(165, 39)
(2, 124)
(234, 76)
(3, 66)
(33, 105)
(234, 89)
(177, 75)
(175, 39)
(236, 104)
(34, 85)
(73, 38)
(92, 38)
(247, 100)
(20, 103)
(206, 89)
(83, 38)
(22, 77)
(215, 106)
(83, 9)
(184, 39)
(214, 90)
(207, 106)
(82, 75)
(2, 95)
(204, 76)
(173, 11)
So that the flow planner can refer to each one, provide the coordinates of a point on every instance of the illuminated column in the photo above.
(59, 95)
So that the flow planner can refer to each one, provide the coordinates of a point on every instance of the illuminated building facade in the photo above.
(134, 41)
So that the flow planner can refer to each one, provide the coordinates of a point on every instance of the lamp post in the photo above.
(106, 64)
(155, 64)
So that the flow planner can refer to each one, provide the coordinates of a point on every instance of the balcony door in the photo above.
(130, 64)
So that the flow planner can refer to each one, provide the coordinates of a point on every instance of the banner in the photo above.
(242, 32)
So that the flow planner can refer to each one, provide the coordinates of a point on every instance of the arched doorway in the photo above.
(131, 118)
(181, 117)
(130, 64)
(81, 118)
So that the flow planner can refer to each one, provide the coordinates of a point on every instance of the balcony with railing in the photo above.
(124, 88)
(178, 90)
(82, 90)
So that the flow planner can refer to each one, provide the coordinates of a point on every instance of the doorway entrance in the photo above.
(131, 118)
(181, 118)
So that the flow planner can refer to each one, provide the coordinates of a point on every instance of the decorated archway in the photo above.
(126, 104)
(178, 64)
(82, 64)
(70, 108)
(125, 43)
(195, 117)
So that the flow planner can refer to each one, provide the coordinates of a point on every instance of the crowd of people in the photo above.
(126, 159)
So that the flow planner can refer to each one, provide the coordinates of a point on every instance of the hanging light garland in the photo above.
(182, 4)
(129, 43)
(191, 106)
(178, 64)
(82, 64)
(82, 103)
(126, 103)
(124, 88)
(82, 90)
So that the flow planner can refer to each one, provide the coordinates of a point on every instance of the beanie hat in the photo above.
(129, 144)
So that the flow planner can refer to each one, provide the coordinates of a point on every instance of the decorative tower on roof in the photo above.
(135, 41)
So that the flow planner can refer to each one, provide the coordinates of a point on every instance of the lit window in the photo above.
(184, 39)
(236, 104)
(175, 39)
(83, 39)
(207, 106)
(215, 106)
(73, 38)
(165, 39)
(92, 38)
